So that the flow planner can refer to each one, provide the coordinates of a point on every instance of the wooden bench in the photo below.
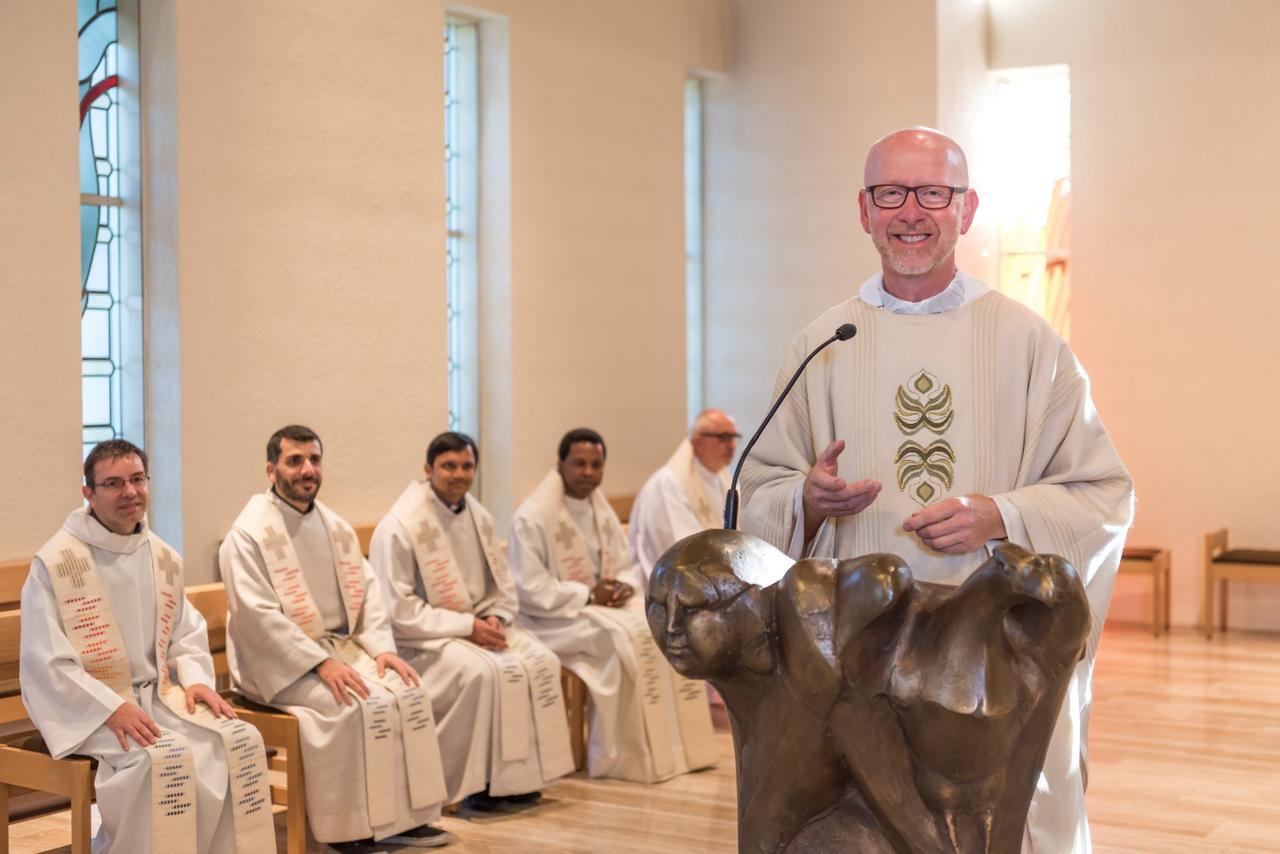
(1222, 564)
(25, 764)
(1155, 562)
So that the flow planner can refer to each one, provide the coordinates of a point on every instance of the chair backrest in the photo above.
(211, 601)
(1215, 544)
(621, 505)
(364, 533)
(12, 575)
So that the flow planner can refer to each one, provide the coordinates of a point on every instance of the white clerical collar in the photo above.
(706, 474)
(86, 528)
(962, 290)
(579, 508)
(286, 507)
(455, 509)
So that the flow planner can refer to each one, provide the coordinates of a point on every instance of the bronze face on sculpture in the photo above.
(872, 712)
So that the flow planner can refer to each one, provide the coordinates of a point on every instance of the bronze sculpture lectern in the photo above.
(871, 712)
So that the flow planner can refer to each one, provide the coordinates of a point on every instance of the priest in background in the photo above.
(577, 584)
(957, 419)
(115, 664)
(308, 633)
(495, 689)
(687, 494)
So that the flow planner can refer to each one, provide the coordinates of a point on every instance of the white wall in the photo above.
(1173, 300)
(811, 85)
(39, 273)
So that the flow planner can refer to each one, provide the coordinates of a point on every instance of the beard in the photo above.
(906, 261)
(294, 490)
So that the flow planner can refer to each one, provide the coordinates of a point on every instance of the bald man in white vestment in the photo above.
(495, 689)
(115, 664)
(686, 495)
(956, 419)
(307, 632)
(577, 584)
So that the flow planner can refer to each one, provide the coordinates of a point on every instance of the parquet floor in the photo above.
(1184, 757)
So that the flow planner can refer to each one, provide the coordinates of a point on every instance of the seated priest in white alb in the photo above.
(495, 690)
(115, 665)
(308, 633)
(686, 495)
(577, 583)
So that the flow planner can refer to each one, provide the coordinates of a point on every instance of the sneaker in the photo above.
(481, 802)
(356, 846)
(523, 799)
(424, 836)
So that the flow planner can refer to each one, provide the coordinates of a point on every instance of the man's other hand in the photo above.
(129, 721)
(958, 525)
(340, 678)
(488, 634)
(389, 659)
(204, 694)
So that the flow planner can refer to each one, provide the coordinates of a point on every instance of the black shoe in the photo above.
(482, 802)
(355, 846)
(424, 836)
(523, 799)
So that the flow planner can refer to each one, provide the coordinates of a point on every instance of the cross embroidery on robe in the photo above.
(275, 541)
(168, 566)
(703, 509)
(73, 566)
(486, 530)
(564, 535)
(428, 535)
(344, 538)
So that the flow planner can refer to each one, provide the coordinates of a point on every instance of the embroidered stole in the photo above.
(91, 626)
(682, 466)
(573, 563)
(263, 521)
(528, 677)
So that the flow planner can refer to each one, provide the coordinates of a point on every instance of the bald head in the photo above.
(925, 155)
(714, 438)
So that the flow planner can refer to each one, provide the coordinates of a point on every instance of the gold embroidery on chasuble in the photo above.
(924, 471)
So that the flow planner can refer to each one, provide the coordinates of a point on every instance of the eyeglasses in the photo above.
(930, 197)
(115, 484)
(723, 437)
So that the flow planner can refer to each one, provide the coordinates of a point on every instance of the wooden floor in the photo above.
(1184, 757)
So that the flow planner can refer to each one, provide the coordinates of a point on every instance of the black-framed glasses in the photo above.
(931, 197)
(723, 437)
(115, 484)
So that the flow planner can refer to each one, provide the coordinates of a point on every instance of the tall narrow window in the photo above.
(1032, 135)
(695, 379)
(110, 287)
(461, 153)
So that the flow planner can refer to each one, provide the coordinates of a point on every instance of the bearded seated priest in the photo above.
(686, 495)
(576, 581)
(495, 689)
(115, 665)
(308, 633)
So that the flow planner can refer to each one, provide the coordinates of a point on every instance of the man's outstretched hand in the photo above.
(826, 494)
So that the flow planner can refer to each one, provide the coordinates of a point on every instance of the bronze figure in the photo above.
(871, 712)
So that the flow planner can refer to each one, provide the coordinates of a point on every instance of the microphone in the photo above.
(843, 332)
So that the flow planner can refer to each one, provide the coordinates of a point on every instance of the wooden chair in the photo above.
(1222, 564)
(575, 706)
(364, 533)
(621, 505)
(1155, 562)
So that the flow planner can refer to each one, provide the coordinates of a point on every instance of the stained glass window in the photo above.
(461, 153)
(110, 328)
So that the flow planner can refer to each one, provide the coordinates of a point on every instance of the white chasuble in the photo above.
(527, 673)
(982, 399)
(557, 563)
(275, 568)
(179, 814)
(678, 500)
